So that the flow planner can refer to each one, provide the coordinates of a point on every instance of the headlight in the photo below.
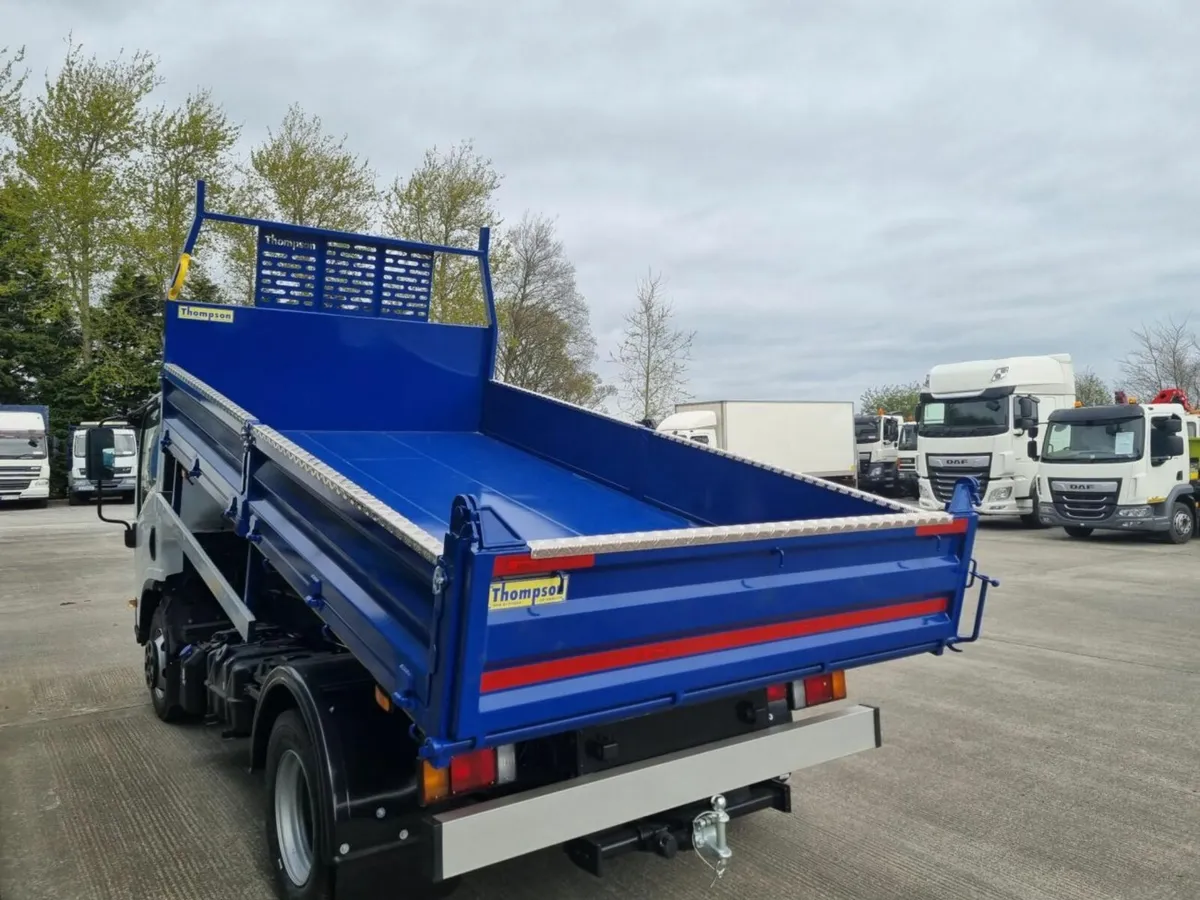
(1134, 512)
(42, 482)
(876, 469)
(1000, 493)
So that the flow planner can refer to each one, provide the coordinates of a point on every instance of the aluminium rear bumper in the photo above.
(477, 836)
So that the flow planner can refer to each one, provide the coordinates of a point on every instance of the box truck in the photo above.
(805, 437)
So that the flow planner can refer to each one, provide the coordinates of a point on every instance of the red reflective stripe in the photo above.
(506, 566)
(605, 660)
(958, 526)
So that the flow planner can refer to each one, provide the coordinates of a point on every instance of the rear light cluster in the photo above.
(467, 772)
(811, 691)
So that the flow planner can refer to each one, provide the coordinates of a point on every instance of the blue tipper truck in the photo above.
(459, 621)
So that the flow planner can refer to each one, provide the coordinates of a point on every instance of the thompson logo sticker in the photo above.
(206, 314)
(520, 592)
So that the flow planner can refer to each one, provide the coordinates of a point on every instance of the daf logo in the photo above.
(1076, 487)
(955, 462)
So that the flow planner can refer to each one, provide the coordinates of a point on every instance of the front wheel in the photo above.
(1183, 523)
(162, 669)
(296, 830)
(1077, 531)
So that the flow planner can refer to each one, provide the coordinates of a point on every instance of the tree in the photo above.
(129, 342)
(892, 398)
(1090, 389)
(11, 82)
(74, 145)
(182, 146)
(308, 177)
(445, 201)
(37, 341)
(652, 356)
(546, 343)
(1165, 354)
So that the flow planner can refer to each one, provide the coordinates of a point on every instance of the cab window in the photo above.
(149, 450)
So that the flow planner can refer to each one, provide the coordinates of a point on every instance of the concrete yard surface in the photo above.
(1058, 759)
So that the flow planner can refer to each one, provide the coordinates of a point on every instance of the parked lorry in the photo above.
(1124, 467)
(24, 454)
(981, 419)
(906, 461)
(124, 481)
(878, 442)
(804, 437)
(459, 621)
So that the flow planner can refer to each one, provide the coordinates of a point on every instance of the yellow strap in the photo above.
(181, 270)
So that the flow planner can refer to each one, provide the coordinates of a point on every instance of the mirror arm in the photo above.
(100, 488)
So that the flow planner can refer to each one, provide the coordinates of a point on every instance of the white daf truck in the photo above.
(981, 419)
(24, 454)
(805, 437)
(1119, 468)
(877, 437)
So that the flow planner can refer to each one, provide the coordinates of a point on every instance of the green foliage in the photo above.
(76, 144)
(128, 327)
(1090, 389)
(892, 398)
(445, 201)
(308, 177)
(181, 147)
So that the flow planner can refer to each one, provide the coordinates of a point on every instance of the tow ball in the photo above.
(708, 837)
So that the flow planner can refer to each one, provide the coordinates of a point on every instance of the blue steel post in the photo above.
(485, 274)
(197, 220)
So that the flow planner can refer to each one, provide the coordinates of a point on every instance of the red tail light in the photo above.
(524, 564)
(776, 692)
(817, 689)
(472, 771)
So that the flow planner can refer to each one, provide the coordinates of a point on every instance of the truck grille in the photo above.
(1085, 501)
(945, 472)
(906, 465)
(15, 479)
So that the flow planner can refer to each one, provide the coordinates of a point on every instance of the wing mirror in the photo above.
(100, 458)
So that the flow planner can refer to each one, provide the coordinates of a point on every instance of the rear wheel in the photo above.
(1033, 519)
(1183, 523)
(296, 830)
(1077, 531)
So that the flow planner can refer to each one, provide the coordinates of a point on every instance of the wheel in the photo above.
(73, 499)
(1033, 519)
(1077, 531)
(1183, 523)
(162, 669)
(296, 837)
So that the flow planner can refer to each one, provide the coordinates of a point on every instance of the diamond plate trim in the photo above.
(728, 534)
(705, 448)
(410, 533)
(217, 399)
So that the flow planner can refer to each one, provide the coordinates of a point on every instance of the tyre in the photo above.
(162, 669)
(1077, 531)
(1033, 519)
(297, 840)
(1183, 523)
(73, 499)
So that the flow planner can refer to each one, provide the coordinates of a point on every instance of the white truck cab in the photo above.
(124, 481)
(24, 455)
(878, 440)
(981, 418)
(1119, 468)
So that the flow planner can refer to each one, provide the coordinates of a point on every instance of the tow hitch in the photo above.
(702, 825)
(708, 837)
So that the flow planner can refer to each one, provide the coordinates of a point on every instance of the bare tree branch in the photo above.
(1165, 354)
(653, 356)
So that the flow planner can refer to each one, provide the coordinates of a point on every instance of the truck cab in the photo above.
(878, 440)
(24, 455)
(981, 419)
(124, 480)
(1119, 468)
(906, 463)
(699, 425)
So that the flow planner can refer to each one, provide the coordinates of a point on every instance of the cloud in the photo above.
(839, 194)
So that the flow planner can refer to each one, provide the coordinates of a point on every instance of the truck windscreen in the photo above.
(968, 417)
(1095, 442)
(124, 444)
(866, 429)
(22, 445)
(908, 436)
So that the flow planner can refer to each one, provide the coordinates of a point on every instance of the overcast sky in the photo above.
(838, 193)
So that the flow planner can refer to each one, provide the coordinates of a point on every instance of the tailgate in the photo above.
(551, 643)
